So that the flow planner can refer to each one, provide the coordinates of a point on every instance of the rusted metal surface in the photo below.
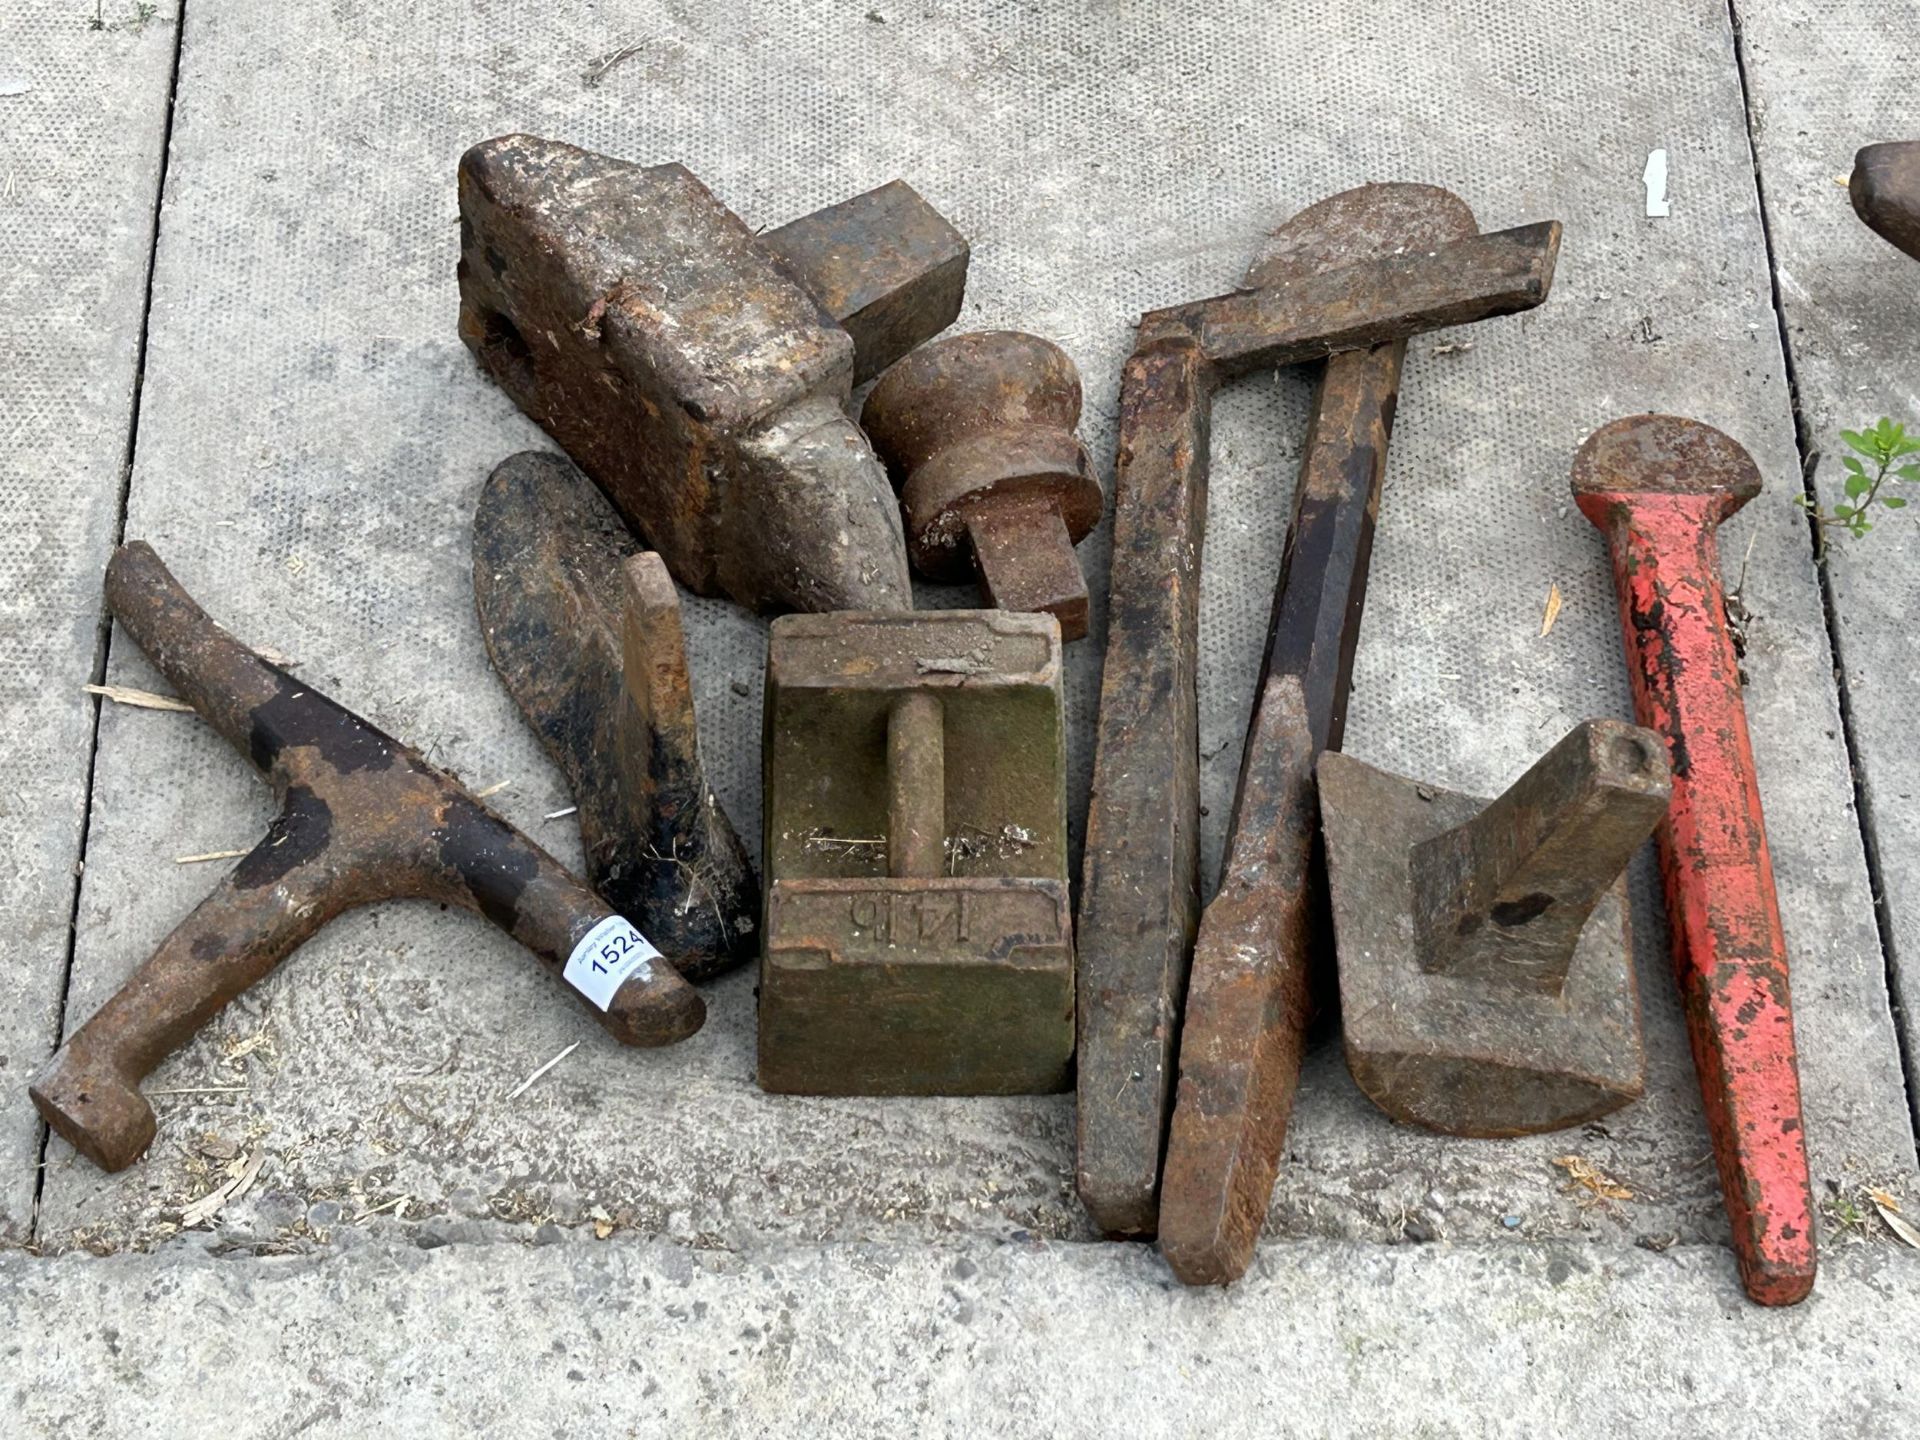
(1139, 900)
(1140, 885)
(1248, 995)
(886, 265)
(684, 363)
(1247, 1006)
(584, 630)
(363, 819)
(1658, 487)
(919, 939)
(1486, 970)
(1319, 312)
(978, 433)
(1885, 189)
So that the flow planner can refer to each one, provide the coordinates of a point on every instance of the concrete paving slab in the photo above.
(1825, 79)
(314, 437)
(83, 110)
(952, 1339)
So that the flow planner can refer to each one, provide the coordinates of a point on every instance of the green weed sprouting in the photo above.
(1882, 445)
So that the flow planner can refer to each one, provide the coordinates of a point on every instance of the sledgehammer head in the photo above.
(692, 367)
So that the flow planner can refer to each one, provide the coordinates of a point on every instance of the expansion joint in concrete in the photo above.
(103, 640)
(1904, 1036)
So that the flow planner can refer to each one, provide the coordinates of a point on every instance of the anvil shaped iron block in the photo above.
(1486, 974)
(918, 939)
(698, 371)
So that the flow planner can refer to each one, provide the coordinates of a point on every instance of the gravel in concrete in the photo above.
(955, 1339)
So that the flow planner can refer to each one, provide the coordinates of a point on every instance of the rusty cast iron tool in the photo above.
(1885, 190)
(584, 630)
(919, 939)
(1248, 995)
(1658, 488)
(362, 819)
(977, 431)
(1486, 965)
(1140, 896)
(700, 372)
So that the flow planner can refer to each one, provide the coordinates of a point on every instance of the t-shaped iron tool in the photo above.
(977, 431)
(1486, 966)
(584, 630)
(362, 819)
(698, 371)
(1885, 190)
(1658, 488)
(1140, 896)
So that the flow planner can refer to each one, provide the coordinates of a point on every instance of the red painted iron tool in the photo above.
(1658, 488)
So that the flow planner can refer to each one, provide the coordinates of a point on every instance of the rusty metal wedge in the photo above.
(1658, 487)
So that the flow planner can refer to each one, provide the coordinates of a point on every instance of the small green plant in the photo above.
(1882, 445)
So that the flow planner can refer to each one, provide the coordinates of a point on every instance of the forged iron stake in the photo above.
(1139, 898)
(977, 431)
(1658, 488)
(1486, 963)
(584, 630)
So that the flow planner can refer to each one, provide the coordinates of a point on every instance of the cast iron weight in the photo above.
(698, 370)
(584, 631)
(1486, 966)
(1248, 996)
(977, 432)
(1140, 898)
(1885, 190)
(919, 939)
(363, 819)
(1658, 488)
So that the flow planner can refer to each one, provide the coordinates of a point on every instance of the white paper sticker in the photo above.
(1654, 177)
(608, 954)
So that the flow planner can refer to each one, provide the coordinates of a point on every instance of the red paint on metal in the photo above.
(1658, 488)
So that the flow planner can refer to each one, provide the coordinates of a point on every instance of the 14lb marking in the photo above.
(895, 918)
